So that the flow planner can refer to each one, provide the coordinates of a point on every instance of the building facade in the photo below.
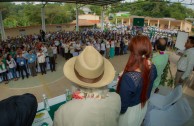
(162, 23)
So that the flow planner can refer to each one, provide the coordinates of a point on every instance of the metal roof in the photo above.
(92, 2)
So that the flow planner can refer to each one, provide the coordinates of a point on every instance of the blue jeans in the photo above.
(125, 49)
(13, 72)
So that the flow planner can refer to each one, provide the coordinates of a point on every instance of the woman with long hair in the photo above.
(135, 85)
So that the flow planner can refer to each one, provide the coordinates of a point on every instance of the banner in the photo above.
(138, 22)
(181, 40)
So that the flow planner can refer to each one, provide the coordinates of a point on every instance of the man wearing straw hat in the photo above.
(92, 104)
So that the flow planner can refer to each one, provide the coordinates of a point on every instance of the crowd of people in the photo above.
(23, 59)
(92, 103)
(24, 56)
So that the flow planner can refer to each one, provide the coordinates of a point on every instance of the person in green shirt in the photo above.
(13, 53)
(160, 60)
(3, 69)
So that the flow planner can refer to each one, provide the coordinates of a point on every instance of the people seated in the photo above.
(92, 104)
(18, 110)
(135, 85)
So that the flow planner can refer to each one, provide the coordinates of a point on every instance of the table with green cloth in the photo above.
(53, 108)
(56, 102)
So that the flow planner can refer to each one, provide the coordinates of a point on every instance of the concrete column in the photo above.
(158, 24)
(129, 21)
(148, 22)
(116, 22)
(122, 21)
(3, 37)
(43, 18)
(77, 18)
(169, 22)
(102, 19)
(181, 26)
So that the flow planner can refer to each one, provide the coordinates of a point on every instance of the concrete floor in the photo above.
(54, 83)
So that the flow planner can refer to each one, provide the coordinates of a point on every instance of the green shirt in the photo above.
(160, 61)
(13, 54)
(4, 65)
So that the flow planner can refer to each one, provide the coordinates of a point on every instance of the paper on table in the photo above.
(42, 119)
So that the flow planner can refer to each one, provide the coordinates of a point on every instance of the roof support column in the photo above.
(3, 37)
(43, 18)
(181, 26)
(169, 23)
(122, 21)
(158, 24)
(102, 19)
(129, 22)
(148, 22)
(77, 18)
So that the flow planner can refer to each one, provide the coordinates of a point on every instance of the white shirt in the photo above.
(41, 59)
(107, 44)
(97, 46)
(112, 44)
(11, 63)
(186, 63)
(66, 47)
(44, 49)
(78, 46)
(56, 43)
(72, 49)
(54, 50)
(103, 46)
(88, 43)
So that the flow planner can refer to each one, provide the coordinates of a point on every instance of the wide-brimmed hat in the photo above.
(89, 69)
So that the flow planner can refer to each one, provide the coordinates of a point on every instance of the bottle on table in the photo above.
(45, 101)
(68, 95)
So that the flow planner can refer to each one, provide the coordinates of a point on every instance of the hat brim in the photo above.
(107, 78)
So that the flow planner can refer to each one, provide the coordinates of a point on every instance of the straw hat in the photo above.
(89, 69)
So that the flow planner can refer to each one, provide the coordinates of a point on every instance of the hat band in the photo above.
(87, 80)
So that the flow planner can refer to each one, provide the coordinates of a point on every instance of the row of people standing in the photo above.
(107, 47)
(22, 60)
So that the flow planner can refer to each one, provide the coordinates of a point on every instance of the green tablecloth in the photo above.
(53, 109)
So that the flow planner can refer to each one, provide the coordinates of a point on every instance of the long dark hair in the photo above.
(141, 49)
(8, 57)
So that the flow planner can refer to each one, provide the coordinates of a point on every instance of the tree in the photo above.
(29, 13)
(96, 9)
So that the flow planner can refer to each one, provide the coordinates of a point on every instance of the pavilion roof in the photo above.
(92, 2)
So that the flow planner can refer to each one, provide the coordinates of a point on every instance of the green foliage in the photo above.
(29, 13)
(192, 29)
(165, 80)
(96, 9)
(154, 8)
